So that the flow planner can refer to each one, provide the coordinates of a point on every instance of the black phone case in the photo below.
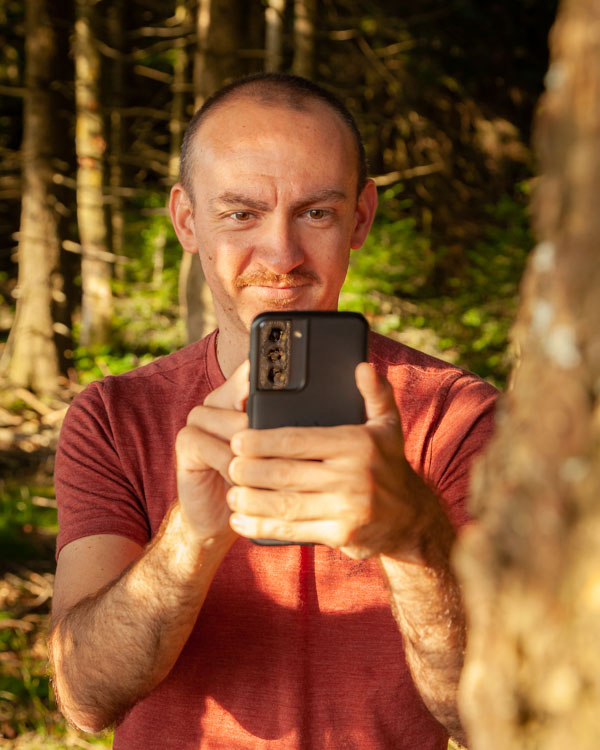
(324, 357)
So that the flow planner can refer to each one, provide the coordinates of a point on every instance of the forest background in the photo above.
(94, 96)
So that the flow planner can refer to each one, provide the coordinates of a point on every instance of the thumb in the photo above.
(378, 395)
(233, 394)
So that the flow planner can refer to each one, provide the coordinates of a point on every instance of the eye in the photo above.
(241, 216)
(316, 213)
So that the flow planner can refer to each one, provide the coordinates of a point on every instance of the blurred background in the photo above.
(94, 98)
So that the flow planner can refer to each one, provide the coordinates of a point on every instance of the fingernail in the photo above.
(236, 444)
(232, 497)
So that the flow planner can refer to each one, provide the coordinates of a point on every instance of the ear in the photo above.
(182, 216)
(364, 214)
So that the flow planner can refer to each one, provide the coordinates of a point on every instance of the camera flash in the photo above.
(298, 334)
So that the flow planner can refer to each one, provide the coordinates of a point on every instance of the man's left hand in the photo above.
(347, 487)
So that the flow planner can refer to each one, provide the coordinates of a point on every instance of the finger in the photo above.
(313, 443)
(233, 394)
(287, 505)
(331, 533)
(378, 395)
(222, 423)
(297, 476)
(196, 451)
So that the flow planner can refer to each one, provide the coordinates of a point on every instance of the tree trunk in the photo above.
(96, 303)
(531, 566)
(305, 13)
(39, 336)
(274, 35)
(219, 37)
(116, 30)
(180, 67)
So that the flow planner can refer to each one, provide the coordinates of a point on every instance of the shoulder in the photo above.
(405, 367)
(432, 395)
(190, 373)
(154, 398)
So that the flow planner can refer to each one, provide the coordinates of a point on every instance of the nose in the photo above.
(279, 248)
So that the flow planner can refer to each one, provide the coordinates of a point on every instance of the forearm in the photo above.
(427, 605)
(113, 647)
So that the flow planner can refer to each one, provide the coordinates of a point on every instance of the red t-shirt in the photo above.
(295, 647)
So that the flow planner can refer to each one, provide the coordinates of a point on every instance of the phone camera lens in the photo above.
(275, 334)
(274, 354)
(277, 377)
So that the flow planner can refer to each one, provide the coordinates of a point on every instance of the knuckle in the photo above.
(183, 440)
(344, 535)
(283, 531)
(287, 506)
(195, 416)
(291, 442)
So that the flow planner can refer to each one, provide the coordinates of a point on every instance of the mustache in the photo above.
(262, 277)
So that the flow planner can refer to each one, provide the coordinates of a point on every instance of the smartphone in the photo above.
(302, 371)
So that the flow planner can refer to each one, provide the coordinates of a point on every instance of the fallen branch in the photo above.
(31, 400)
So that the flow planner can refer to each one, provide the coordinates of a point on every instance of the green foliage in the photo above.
(146, 322)
(390, 280)
(27, 528)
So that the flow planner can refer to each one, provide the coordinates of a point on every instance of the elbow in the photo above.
(71, 701)
(85, 721)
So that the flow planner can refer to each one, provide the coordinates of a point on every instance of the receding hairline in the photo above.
(279, 95)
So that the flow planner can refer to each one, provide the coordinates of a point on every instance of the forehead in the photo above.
(248, 134)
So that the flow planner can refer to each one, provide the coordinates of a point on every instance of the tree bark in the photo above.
(116, 30)
(305, 13)
(178, 103)
(219, 37)
(96, 304)
(34, 356)
(274, 14)
(531, 566)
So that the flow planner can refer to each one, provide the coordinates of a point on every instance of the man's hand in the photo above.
(159, 594)
(203, 457)
(351, 487)
(347, 487)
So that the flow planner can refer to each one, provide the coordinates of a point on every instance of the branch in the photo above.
(157, 75)
(13, 91)
(75, 247)
(407, 174)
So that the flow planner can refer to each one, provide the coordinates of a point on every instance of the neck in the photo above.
(233, 348)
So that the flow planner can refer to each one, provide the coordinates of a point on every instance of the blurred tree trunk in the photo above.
(178, 104)
(219, 37)
(116, 30)
(531, 567)
(96, 272)
(34, 355)
(274, 34)
(305, 13)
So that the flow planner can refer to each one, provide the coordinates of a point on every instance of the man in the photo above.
(166, 618)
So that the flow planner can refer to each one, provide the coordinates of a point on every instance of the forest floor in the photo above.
(29, 429)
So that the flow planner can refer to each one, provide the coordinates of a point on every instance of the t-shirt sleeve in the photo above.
(93, 492)
(465, 425)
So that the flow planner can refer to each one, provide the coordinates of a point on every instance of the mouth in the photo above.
(280, 291)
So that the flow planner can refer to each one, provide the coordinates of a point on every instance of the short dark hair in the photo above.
(277, 89)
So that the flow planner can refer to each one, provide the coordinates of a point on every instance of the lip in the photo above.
(280, 292)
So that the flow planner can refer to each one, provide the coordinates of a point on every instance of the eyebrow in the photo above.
(231, 198)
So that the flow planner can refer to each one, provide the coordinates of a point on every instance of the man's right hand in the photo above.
(203, 457)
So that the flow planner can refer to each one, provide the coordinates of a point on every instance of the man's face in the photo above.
(275, 208)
